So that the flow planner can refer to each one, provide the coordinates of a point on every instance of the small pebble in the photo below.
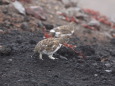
(108, 71)
(4, 2)
(94, 64)
(94, 23)
(48, 26)
(5, 50)
(10, 60)
(32, 42)
(95, 75)
(62, 57)
(25, 26)
(108, 65)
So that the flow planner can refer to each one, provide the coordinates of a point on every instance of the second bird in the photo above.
(65, 30)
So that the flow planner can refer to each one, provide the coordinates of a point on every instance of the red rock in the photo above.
(36, 11)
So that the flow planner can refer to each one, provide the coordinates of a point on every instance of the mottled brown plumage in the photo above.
(50, 46)
(64, 30)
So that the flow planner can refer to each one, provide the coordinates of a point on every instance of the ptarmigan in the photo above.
(50, 46)
(65, 30)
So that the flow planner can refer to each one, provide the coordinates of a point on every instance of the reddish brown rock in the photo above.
(36, 11)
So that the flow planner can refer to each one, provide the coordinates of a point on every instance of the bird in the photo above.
(63, 30)
(49, 46)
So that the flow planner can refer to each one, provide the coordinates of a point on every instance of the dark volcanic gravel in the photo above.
(19, 69)
(19, 34)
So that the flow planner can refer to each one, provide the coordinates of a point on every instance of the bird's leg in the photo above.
(40, 56)
(51, 57)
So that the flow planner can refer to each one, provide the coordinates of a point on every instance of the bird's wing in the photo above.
(52, 44)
